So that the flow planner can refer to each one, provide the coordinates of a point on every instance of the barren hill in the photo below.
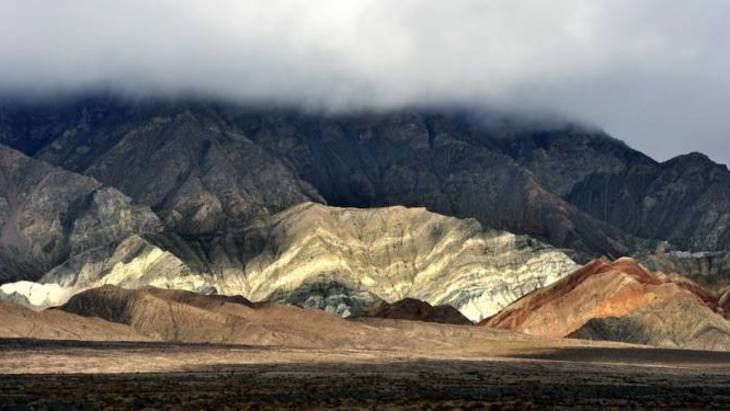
(621, 301)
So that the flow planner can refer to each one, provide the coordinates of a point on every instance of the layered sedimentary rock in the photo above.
(48, 215)
(341, 260)
(215, 174)
(394, 253)
(132, 263)
(625, 302)
(710, 269)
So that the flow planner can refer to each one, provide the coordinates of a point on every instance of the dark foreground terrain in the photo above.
(84, 375)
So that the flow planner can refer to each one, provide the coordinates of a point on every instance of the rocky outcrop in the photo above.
(48, 215)
(622, 301)
(329, 294)
(415, 310)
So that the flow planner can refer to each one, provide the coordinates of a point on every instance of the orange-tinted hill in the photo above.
(181, 316)
(417, 310)
(20, 322)
(174, 315)
(643, 307)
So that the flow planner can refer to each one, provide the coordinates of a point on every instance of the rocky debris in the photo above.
(415, 310)
(48, 215)
(621, 301)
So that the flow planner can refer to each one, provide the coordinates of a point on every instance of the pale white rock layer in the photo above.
(35, 295)
(133, 263)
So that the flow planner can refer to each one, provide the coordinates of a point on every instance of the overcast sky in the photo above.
(651, 72)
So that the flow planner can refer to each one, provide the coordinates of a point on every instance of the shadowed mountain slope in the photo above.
(207, 167)
(48, 214)
(681, 323)
(685, 200)
(415, 310)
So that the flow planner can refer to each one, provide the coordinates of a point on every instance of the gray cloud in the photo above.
(651, 72)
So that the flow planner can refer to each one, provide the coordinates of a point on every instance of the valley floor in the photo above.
(97, 375)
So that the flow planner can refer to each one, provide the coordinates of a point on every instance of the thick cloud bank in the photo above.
(652, 72)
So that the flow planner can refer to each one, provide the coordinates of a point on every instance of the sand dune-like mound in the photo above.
(20, 322)
(181, 316)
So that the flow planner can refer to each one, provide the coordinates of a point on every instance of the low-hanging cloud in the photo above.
(652, 72)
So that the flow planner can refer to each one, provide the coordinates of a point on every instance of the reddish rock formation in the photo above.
(598, 290)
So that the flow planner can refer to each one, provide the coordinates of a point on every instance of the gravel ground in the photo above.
(83, 375)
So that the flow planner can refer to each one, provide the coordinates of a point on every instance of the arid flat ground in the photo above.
(102, 375)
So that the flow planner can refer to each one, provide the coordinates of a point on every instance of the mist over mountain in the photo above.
(364, 204)
(647, 72)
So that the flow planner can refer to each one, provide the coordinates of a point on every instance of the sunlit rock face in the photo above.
(34, 295)
(133, 263)
(341, 260)
(397, 252)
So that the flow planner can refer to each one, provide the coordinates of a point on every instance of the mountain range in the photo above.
(393, 214)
